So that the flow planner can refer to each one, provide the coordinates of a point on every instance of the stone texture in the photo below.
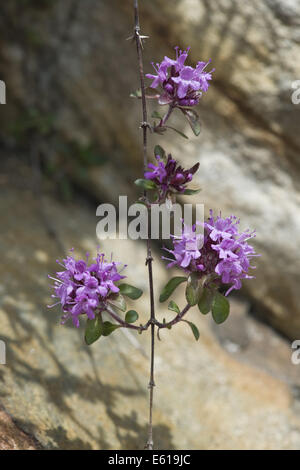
(209, 394)
(11, 437)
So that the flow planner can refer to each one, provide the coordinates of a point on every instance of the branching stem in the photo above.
(149, 259)
(175, 320)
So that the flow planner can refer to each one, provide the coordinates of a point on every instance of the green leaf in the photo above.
(136, 94)
(191, 192)
(193, 289)
(205, 301)
(108, 328)
(170, 287)
(194, 329)
(145, 184)
(156, 115)
(220, 308)
(178, 132)
(131, 316)
(193, 120)
(158, 150)
(118, 301)
(173, 306)
(93, 330)
(130, 291)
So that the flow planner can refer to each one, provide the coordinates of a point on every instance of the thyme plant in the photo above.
(211, 262)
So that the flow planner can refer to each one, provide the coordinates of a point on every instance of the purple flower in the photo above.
(221, 255)
(83, 289)
(169, 176)
(181, 85)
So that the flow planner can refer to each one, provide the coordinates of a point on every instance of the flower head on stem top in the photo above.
(221, 254)
(181, 85)
(83, 289)
(169, 176)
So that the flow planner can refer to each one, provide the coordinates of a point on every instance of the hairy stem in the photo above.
(149, 259)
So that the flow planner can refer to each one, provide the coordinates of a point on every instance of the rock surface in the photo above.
(210, 394)
(249, 147)
(11, 437)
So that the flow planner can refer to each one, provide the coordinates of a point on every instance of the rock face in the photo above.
(11, 438)
(73, 63)
(236, 390)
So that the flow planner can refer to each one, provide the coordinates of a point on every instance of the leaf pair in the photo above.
(206, 298)
(96, 328)
(118, 301)
(132, 292)
(215, 302)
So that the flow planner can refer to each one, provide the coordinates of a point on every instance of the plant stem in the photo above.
(123, 323)
(175, 320)
(167, 115)
(149, 259)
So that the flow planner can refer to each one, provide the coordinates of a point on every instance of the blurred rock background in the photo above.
(69, 141)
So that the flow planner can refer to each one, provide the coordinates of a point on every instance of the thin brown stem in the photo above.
(138, 40)
(167, 115)
(149, 259)
(175, 320)
(124, 324)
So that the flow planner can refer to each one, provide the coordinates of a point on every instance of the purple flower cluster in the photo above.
(182, 85)
(83, 289)
(221, 254)
(169, 176)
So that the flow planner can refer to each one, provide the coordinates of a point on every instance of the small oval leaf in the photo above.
(170, 287)
(130, 291)
(145, 184)
(194, 329)
(173, 306)
(191, 192)
(93, 330)
(108, 328)
(220, 308)
(193, 289)
(131, 316)
(205, 301)
(158, 150)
